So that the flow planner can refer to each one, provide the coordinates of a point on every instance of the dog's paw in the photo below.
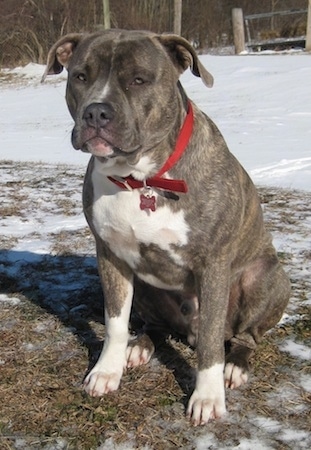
(203, 409)
(137, 356)
(208, 399)
(235, 376)
(139, 351)
(98, 383)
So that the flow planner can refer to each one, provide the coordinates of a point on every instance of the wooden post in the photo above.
(308, 33)
(106, 10)
(177, 16)
(238, 30)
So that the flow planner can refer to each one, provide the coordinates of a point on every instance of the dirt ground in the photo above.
(51, 331)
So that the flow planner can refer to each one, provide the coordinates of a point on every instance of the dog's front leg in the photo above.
(117, 283)
(208, 399)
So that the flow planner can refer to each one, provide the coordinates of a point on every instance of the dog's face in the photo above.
(115, 79)
(111, 94)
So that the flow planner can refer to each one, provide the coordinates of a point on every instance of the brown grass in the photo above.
(51, 337)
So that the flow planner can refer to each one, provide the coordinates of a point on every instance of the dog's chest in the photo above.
(126, 228)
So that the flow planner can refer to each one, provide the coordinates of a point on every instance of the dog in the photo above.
(177, 221)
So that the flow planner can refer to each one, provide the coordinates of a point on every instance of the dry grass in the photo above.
(55, 332)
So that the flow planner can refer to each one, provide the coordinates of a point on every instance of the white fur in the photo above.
(100, 96)
(208, 399)
(107, 372)
(121, 223)
(97, 96)
(137, 355)
(234, 376)
(144, 166)
(154, 281)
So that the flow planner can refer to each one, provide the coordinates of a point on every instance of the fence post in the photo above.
(238, 30)
(106, 10)
(308, 33)
(177, 16)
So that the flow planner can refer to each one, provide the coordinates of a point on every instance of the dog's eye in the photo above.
(137, 81)
(186, 309)
(81, 77)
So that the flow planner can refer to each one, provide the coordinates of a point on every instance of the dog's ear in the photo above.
(184, 55)
(60, 54)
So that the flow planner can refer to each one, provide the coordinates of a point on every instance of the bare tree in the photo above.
(274, 4)
(29, 27)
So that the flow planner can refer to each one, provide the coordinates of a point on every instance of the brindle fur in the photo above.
(229, 262)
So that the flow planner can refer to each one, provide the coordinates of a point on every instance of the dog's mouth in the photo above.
(104, 150)
(89, 140)
(98, 146)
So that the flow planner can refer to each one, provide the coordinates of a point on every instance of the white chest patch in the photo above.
(121, 223)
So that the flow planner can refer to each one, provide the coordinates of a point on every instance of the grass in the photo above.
(55, 332)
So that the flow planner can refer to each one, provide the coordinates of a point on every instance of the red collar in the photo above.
(157, 181)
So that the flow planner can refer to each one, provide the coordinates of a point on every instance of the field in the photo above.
(52, 329)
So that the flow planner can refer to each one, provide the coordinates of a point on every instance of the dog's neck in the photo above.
(132, 182)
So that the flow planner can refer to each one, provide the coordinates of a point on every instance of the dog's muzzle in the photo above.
(98, 115)
(92, 136)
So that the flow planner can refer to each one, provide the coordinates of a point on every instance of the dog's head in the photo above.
(123, 91)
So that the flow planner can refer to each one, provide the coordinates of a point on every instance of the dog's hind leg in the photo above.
(139, 351)
(264, 294)
(237, 365)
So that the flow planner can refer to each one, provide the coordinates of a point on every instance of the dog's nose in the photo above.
(97, 115)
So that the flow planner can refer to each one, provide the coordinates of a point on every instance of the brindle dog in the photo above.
(174, 215)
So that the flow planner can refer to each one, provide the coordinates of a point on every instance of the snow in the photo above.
(8, 300)
(261, 103)
(110, 445)
(291, 435)
(270, 425)
(297, 350)
(251, 444)
(305, 382)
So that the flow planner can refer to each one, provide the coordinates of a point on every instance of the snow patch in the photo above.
(305, 382)
(296, 350)
(251, 444)
(34, 71)
(6, 299)
(290, 435)
(267, 424)
(206, 441)
(109, 444)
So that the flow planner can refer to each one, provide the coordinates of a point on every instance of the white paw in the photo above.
(234, 376)
(137, 355)
(208, 399)
(203, 409)
(98, 383)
